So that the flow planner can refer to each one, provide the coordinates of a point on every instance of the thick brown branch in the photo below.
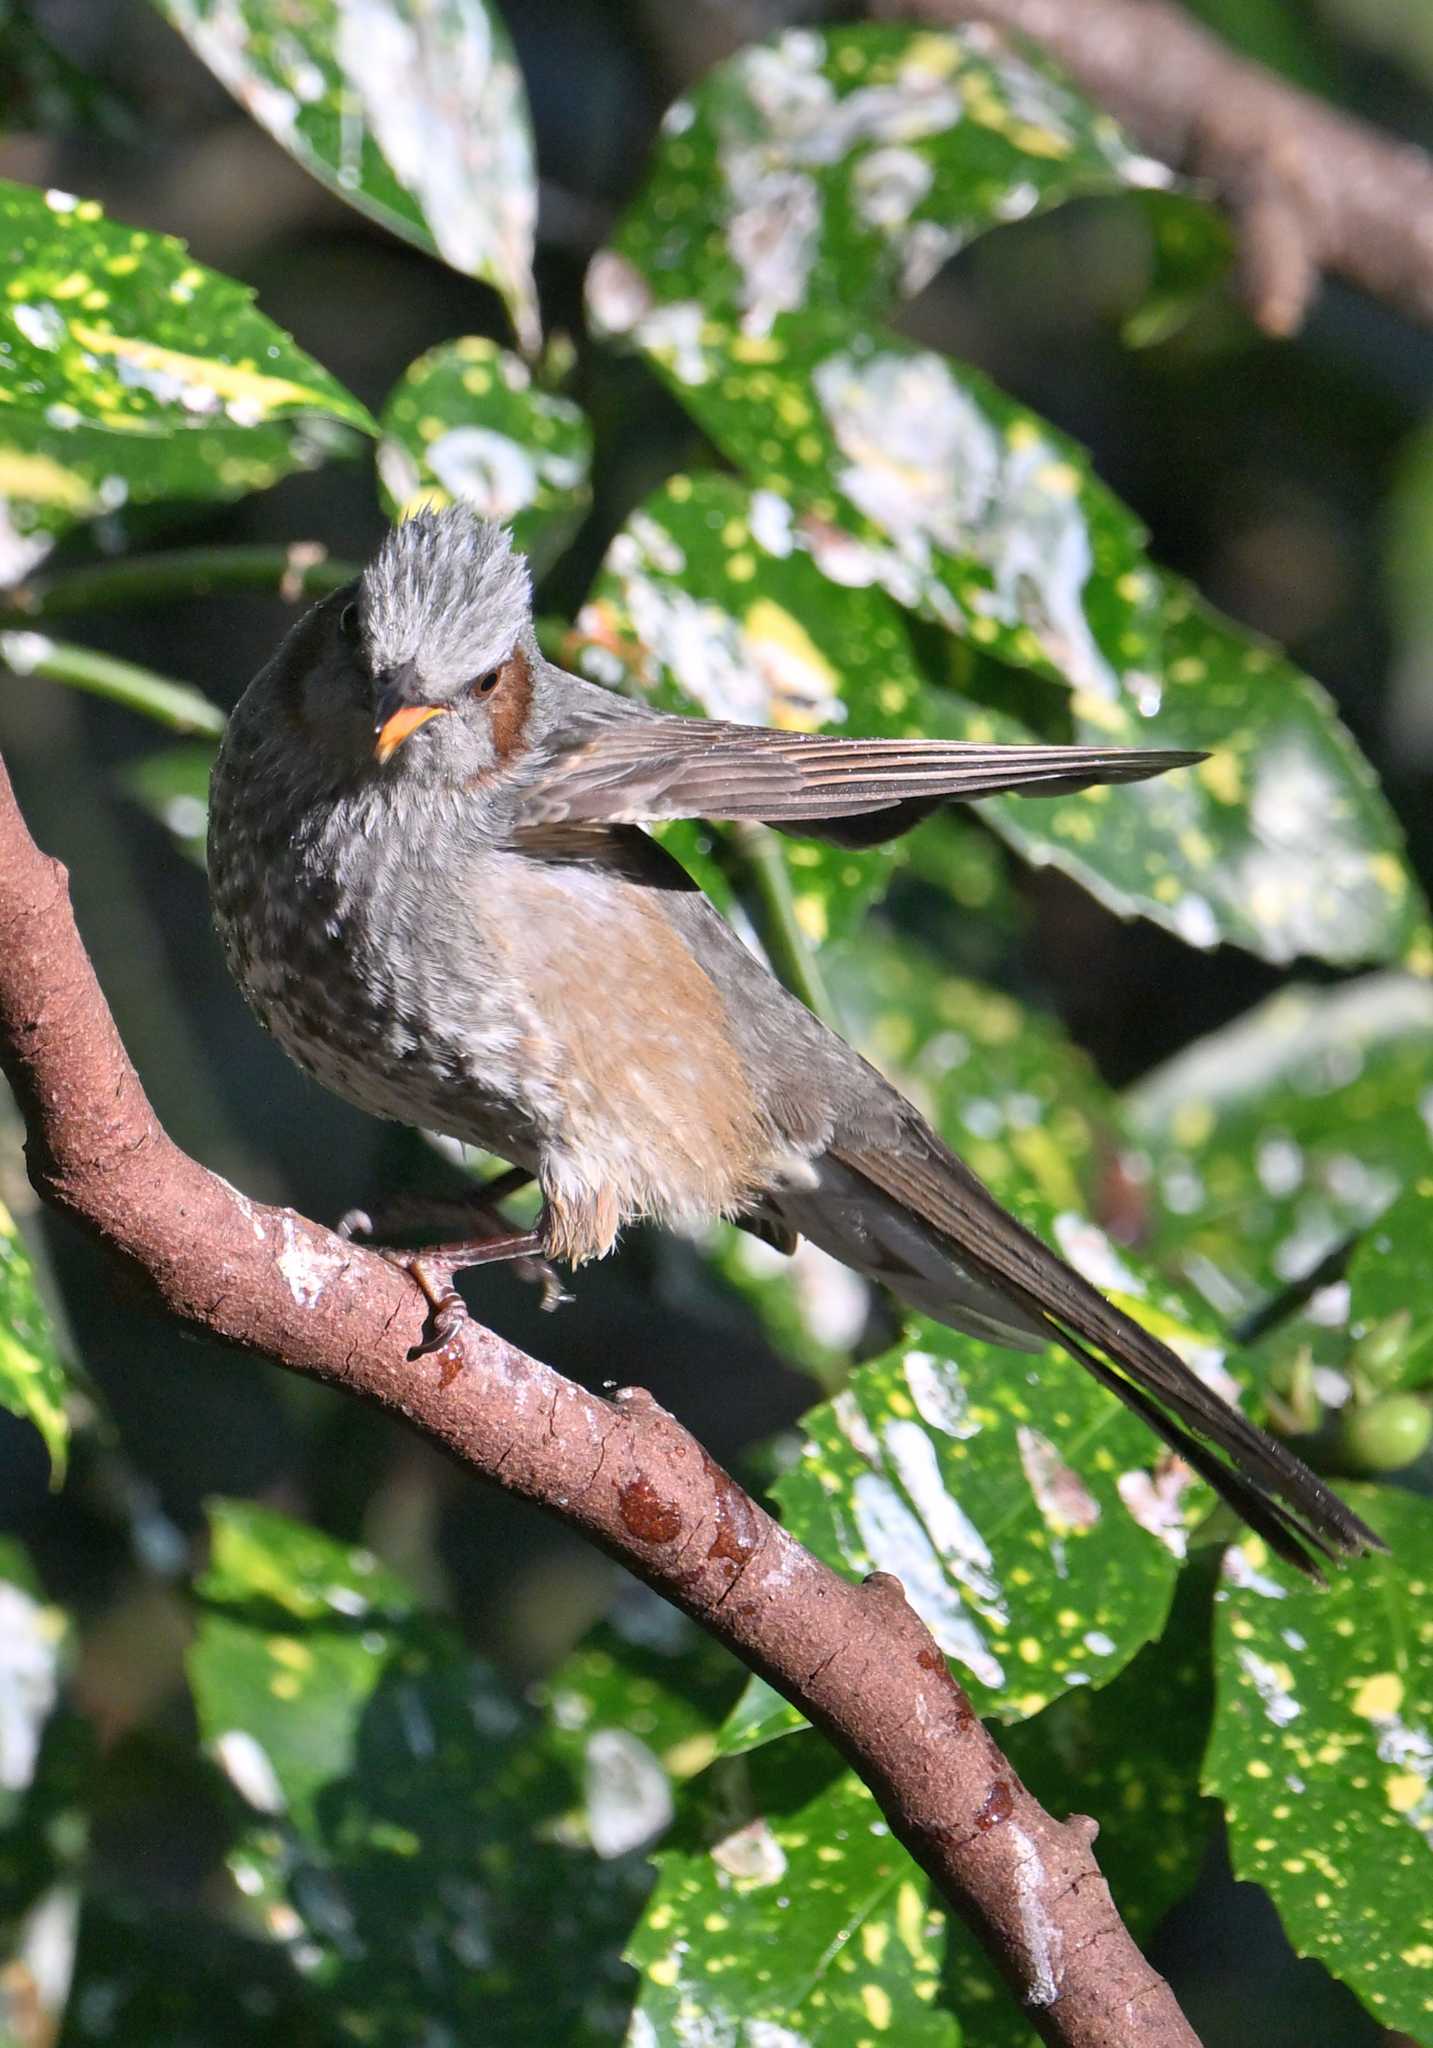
(1311, 189)
(854, 1658)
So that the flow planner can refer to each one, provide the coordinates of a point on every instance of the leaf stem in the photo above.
(178, 706)
(759, 853)
(303, 569)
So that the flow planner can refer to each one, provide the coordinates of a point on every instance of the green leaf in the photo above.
(1002, 1490)
(1281, 841)
(1388, 1285)
(843, 166)
(413, 1838)
(467, 422)
(173, 786)
(916, 474)
(177, 705)
(137, 374)
(33, 1382)
(1275, 1138)
(788, 1913)
(415, 114)
(1323, 1754)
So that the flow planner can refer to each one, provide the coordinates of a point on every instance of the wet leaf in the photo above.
(1281, 842)
(467, 422)
(1322, 1753)
(1129, 1756)
(405, 1832)
(137, 374)
(789, 1913)
(33, 1382)
(1274, 1139)
(415, 114)
(843, 166)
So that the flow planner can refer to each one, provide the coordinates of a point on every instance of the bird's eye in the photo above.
(348, 624)
(485, 685)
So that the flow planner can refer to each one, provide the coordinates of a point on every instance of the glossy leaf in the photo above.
(1273, 1139)
(1006, 1492)
(406, 1835)
(414, 114)
(1322, 1753)
(1281, 841)
(843, 166)
(917, 475)
(137, 374)
(467, 422)
(788, 1913)
(33, 1382)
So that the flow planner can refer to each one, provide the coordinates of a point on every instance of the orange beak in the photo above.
(401, 725)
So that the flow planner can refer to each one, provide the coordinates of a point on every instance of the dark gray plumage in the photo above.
(429, 878)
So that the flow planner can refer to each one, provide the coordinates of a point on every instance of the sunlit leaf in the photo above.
(174, 788)
(406, 1835)
(1276, 1137)
(467, 422)
(415, 114)
(1322, 1753)
(33, 1645)
(33, 1382)
(1388, 1286)
(1281, 841)
(788, 1914)
(135, 373)
(844, 166)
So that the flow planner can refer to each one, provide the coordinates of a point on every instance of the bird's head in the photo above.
(426, 665)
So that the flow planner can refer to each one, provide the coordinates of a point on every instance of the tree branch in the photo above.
(854, 1658)
(1311, 189)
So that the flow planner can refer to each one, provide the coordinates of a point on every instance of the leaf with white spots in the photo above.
(845, 165)
(1007, 1493)
(407, 1832)
(788, 1917)
(1281, 842)
(1277, 1137)
(33, 1649)
(33, 1381)
(467, 423)
(915, 474)
(414, 113)
(136, 374)
(1322, 1753)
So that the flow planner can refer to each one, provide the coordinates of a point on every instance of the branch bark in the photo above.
(1311, 189)
(854, 1658)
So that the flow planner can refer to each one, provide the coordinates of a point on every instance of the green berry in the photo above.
(1385, 1435)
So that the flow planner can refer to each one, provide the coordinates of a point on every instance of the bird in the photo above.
(433, 881)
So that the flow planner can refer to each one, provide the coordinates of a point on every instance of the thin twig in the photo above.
(854, 1658)
(179, 706)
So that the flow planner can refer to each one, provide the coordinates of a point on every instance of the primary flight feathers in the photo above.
(655, 768)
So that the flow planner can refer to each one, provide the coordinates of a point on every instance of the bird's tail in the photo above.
(998, 1280)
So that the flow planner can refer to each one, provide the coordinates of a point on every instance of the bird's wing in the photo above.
(1263, 1481)
(664, 767)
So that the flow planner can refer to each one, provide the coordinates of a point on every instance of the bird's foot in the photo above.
(432, 1269)
(489, 1235)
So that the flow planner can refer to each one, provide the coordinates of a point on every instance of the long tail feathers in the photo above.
(1262, 1480)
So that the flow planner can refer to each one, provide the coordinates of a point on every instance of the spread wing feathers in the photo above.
(1275, 1492)
(655, 768)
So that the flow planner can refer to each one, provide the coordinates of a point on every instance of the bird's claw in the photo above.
(354, 1223)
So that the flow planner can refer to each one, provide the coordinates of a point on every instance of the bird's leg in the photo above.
(477, 1213)
(433, 1267)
